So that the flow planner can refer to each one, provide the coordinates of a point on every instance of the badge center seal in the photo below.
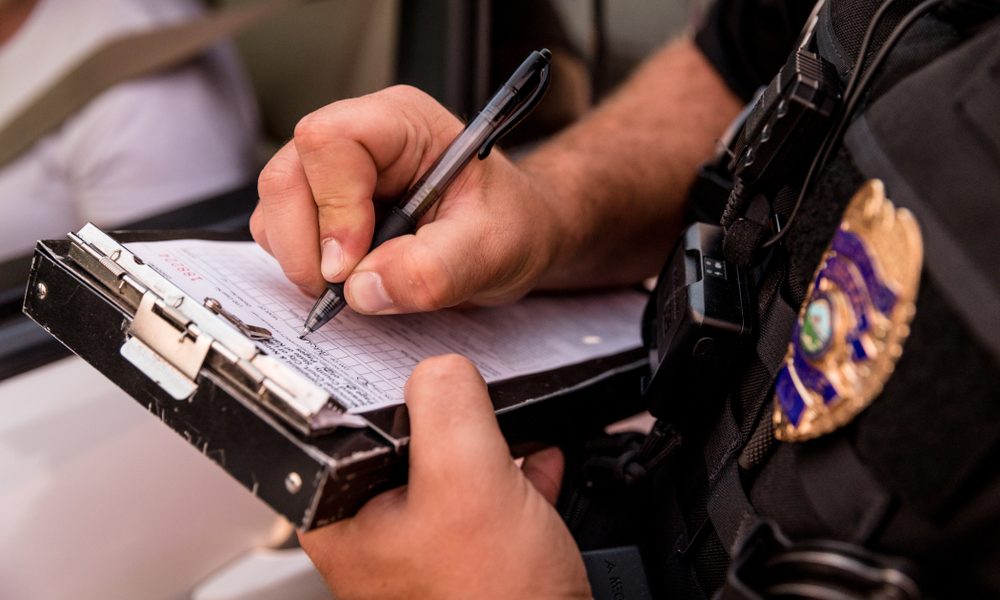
(854, 321)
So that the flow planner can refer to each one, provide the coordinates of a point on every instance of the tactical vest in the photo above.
(914, 476)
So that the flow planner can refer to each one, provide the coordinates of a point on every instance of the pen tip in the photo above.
(305, 332)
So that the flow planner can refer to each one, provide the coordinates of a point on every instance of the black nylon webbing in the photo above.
(728, 507)
(760, 445)
(830, 468)
(730, 510)
(757, 428)
(775, 333)
(775, 321)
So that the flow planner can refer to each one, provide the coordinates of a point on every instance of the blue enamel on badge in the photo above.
(856, 316)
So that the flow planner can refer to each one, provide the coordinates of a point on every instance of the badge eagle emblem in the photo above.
(856, 316)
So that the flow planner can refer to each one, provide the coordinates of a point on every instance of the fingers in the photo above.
(348, 552)
(544, 469)
(466, 505)
(342, 177)
(354, 150)
(315, 213)
(288, 215)
(258, 230)
(454, 432)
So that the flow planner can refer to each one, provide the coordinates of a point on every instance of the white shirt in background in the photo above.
(142, 147)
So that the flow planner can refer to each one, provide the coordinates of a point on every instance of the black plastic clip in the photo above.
(527, 105)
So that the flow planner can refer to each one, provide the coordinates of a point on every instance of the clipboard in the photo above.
(279, 434)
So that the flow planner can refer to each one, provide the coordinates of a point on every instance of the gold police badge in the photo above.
(856, 316)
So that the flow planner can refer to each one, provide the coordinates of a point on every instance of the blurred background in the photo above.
(97, 498)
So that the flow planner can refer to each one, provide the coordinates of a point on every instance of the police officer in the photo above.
(887, 463)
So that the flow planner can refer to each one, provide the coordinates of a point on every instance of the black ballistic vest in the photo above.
(916, 474)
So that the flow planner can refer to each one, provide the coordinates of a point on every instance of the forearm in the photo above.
(616, 181)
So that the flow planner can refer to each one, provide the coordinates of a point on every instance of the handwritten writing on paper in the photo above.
(364, 361)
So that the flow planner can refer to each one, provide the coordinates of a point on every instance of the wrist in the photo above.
(552, 178)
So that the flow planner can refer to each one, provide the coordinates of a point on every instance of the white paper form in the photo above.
(364, 361)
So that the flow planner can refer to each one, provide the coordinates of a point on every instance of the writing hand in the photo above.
(487, 241)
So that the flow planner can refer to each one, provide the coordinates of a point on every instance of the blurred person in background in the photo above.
(140, 148)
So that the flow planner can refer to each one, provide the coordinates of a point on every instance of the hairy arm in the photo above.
(619, 177)
(596, 206)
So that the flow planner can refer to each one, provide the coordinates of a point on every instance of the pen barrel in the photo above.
(429, 188)
(506, 108)
(395, 224)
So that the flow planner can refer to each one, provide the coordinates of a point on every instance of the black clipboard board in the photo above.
(90, 293)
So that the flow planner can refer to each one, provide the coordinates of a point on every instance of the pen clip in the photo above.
(544, 75)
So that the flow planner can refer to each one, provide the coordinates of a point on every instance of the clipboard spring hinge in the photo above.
(107, 270)
(175, 339)
(173, 351)
(165, 346)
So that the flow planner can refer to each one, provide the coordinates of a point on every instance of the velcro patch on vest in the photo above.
(856, 316)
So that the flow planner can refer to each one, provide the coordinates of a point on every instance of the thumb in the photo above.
(486, 250)
(442, 265)
(544, 469)
(454, 437)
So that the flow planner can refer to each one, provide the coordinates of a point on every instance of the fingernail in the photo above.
(368, 293)
(332, 259)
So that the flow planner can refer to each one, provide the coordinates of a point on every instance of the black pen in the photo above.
(512, 102)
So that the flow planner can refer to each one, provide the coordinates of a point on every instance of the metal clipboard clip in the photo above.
(174, 340)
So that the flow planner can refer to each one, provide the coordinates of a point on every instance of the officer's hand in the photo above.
(470, 523)
(316, 215)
